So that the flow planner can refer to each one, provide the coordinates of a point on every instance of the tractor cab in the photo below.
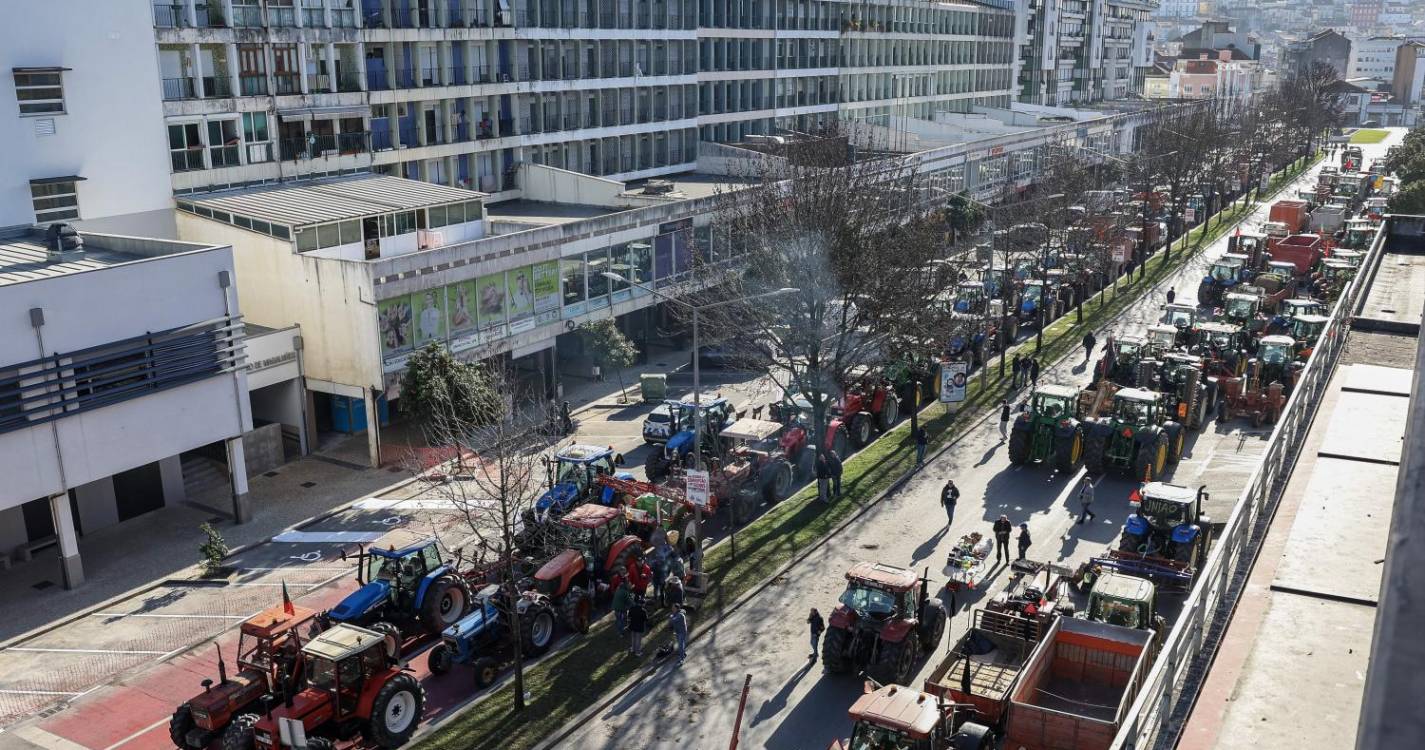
(1179, 315)
(351, 686)
(1161, 340)
(1241, 309)
(1054, 401)
(1167, 521)
(1276, 229)
(995, 278)
(1302, 306)
(271, 637)
(1247, 244)
(402, 569)
(1306, 329)
(1352, 258)
(1336, 272)
(1120, 362)
(1031, 296)
(571, 474)
(892, 717)
(969, 298)
(1283, 269)
(411, 587)
(1122, 600)
(878, 593)
(716, 413)
(594, 537)
(1136, 406)
(1227, 270)
(1276, 351)
(1359, 233)
(1221, 337)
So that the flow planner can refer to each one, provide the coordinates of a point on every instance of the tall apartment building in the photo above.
(1077, 52)
(1181, 9)
(1375, 57)
(460, 92)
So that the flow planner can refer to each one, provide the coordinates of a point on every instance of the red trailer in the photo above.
(1293, 213)
(1301, 250)
(1077, 686)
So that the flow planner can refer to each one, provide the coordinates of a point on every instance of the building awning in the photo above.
(40, 69)
(54, 180)
(323, 113)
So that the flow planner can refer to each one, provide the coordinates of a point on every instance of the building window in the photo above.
(223, 143)
(257, 137)
(54, 200)
(185, 147)
(40, 92)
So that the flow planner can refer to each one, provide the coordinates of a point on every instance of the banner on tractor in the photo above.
(952, 382)
(697, 488)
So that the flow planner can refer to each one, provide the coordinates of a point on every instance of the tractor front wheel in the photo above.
(1177, 437)
(833, 651)
(486, 670)
(396, 711)
(890, 413)
(439, 660)
(237, 735)
(860, 431)
(446, 601)
(394, 639)
(576, 610)
(656, 467)
(781, 479)
(1069, 451)
(896, 661)
(1019, 444)
(537, 629)
(179, 725)
(1094, 446)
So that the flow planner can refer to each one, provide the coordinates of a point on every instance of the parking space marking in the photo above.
(138, 734)
(293, 569)
(37, 692)
(27, 649)
(386, 503)
(178, 617)
(328, 537)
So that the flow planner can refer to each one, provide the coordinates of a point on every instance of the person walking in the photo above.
(949, 495)
(1089, 343)
(1024, 540)
(637, 625)
(623, 597)
(1033, 372)
(823, 477)
(658, 560)
(678, 621)
(673, 589)
(565, 418)
(817, 625)
(1172, 295)
(1002, 528)
(1015, 368)
(833, 462)
(922, 441)
(1003, 420)
(1086, 500)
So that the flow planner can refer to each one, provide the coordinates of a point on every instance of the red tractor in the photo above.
(598, 546)
(870, 403)
(269, 646)
(885, 621)
(351, 685)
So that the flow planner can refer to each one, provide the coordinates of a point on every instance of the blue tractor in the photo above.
(1226, 272)
(477, 637)
(1168, 524)
(717, 413)
(573, 472)
(403, 592)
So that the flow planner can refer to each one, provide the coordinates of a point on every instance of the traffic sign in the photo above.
(696, 483)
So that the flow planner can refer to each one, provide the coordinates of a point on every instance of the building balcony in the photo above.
(247, 16)
(175, 89)
(217, 87)
(286, 83)
(316, 145)
(252, 84)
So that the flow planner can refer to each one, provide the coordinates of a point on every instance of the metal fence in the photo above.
(1158, 712)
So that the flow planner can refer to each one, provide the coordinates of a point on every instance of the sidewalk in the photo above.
(163, 544)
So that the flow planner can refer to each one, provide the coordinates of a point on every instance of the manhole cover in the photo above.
(309, 484)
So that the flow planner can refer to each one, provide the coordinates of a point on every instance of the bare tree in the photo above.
(497, 481)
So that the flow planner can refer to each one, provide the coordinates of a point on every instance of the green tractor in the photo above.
(1124, 600)
(1136, 437)
(1048, 431)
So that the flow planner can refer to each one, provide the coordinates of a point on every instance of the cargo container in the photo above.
(1301, 250)
(1292, 213)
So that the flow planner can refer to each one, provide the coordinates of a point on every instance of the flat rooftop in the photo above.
(24, 257)
(322, 201)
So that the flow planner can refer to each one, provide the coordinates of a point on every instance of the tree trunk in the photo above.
(512, 599)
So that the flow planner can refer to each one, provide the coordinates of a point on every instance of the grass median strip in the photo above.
(591, 667)
(1369, 136)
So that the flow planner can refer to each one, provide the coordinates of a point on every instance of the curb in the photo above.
(633, 681)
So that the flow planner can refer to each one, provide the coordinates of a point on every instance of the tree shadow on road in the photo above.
(807, 724)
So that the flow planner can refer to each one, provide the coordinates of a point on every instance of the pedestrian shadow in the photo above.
(928, 546)
(806, 725)
(988, 454)
(1079, 368)
(774, 705)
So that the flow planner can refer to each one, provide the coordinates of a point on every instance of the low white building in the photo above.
(121, 358)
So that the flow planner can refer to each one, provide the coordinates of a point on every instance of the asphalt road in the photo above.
(792, 704)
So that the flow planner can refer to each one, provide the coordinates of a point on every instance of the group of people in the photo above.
(1003, 528)
(1024, 370)
(828, 475)
(659, 571)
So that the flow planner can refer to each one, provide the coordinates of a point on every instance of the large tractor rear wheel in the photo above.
(486, 670)
(781, 477)
(537, 629)
(890, 412)
(1177, 439)
(973, 736)
(440, 659)
(932, 623)
(1069, 451)
(833, 651)
(1019, 444)
(396, 711)
(446, 601)
(1094, 446)
(237, 735)
(896, 661)
(860, 431)
(179, 725)
(806, 465)
(656, 466)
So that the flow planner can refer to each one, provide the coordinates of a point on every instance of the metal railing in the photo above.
(170, 16)
(286, 83)
(247, 16)
(1208, 608)
(177, 88)
(210, 15)
(348, 80)
(252, 84)
(316, 145)
(217, 87)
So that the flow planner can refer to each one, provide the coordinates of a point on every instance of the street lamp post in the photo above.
(697, 373)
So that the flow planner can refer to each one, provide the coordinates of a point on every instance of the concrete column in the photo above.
(199, 90)
(69, 564)
(373, 430)
(302, 53)
(237, 476)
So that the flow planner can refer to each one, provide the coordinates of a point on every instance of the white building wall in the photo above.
(111, 133)
(98, 307)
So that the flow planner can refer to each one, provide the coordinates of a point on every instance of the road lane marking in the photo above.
(328, 537)
(138, 734)
(27, 649)
(37, 692)
(293, 568)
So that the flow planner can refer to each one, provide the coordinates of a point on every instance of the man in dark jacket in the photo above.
(1002, 529)
(1015, 367)
(1089, 342)
(1033, 372)
(823, 476)
(949, 495)
(1024, 540)
(817, 625)
(833, 462)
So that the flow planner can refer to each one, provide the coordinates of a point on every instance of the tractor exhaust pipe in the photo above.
(222, 668)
